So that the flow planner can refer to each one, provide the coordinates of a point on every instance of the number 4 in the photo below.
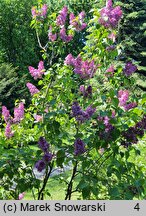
(137, 207)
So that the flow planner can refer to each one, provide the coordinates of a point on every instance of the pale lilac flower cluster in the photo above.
(112, 37)
(62, 21)
(18, 113)
(37, 73)
(21, 196)
(129, 69)
(77, 22)
(64, 36)
(33, 90)
(123, 96)
(6, 114)
(106, 133)
(47, 157)
(42, 12)
(38, 118)
(86, 69)
(86, 92)
(110, 71)
(80, 115)
(8, 131)
(18, 116)
(109, 16)
(79, 147)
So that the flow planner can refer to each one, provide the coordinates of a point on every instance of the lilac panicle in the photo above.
(109, 16)
(43, 144)
(80, 115)
(129, 69)
(86, 69)
(40, 165)
(33, 90)
(61, 19)
(66, 38)
(123, 96)
(8, 131)
(79, 147)
(47, 157)
(18, 113)
(6, 114)
(37, 73)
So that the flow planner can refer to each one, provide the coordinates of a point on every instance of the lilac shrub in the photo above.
(84, 113)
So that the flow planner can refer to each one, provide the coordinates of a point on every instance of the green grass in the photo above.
(56, 188)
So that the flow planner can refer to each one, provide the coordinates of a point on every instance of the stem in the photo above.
(39, 42)
(70, 185)
(41, 194)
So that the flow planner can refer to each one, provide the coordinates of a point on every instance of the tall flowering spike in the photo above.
(6, 114)
(109, 16)
(37, 73)
(123, 96)
(40, 165)
(18, 113)
(79, 147)
(129, 69)
(66, 38)
(61, 19)
(8, 131)
(52, 37)
(33, 90)
(43, 144)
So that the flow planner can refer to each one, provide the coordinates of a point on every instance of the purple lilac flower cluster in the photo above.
(109, 16)
(76, 22)
(123, 96)
(110, 71)
(129, 69)
(131, 135)
(18, 116)
(86, 92)
(79, 147)
(106, 133)
(33, 90)
(42, 12)
(37, 73)
(86, 69)
(80, 115)
(47, 157)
